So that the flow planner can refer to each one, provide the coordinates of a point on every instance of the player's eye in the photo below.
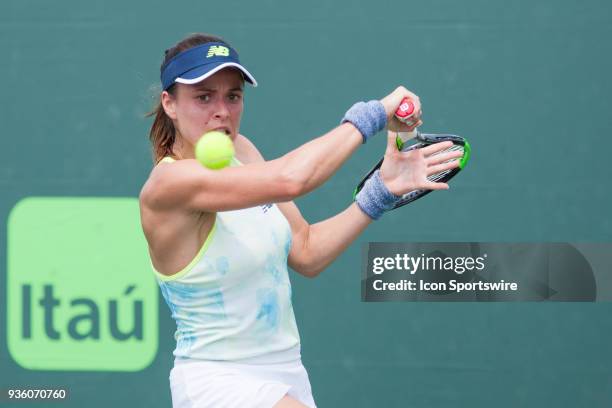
(204, 97)
(235, 97)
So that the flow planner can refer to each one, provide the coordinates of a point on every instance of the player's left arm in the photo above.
(315, 246)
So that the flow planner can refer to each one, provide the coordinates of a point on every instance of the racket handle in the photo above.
(405, 112)
(405, 136)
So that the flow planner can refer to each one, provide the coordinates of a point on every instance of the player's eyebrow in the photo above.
(207, 89)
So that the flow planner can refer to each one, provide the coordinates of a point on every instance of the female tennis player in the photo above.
(220, 240)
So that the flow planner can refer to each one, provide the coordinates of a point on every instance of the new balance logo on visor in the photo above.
(217, 51)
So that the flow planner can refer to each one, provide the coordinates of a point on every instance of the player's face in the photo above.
(212, 104)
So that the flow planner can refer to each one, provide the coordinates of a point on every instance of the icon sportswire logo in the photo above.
(80, 292)
(217, 51)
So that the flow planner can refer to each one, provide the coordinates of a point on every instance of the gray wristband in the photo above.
(375, 198)
(369, 117)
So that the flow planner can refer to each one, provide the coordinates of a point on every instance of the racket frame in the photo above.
(422, 140)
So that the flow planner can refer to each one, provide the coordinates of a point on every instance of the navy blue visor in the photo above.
(198, 63)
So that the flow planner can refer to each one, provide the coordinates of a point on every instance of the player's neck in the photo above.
(183, 149)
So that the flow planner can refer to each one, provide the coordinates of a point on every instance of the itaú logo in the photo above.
(80, 292)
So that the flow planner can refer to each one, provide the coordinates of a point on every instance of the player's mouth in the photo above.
(223, 129)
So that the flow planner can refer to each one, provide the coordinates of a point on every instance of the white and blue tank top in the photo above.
(233, 301)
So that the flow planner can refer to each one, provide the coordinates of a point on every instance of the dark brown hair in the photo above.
(162, 134)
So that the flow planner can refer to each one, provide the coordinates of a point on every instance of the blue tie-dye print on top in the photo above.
(186, 295)
(184, 335)
(274, 260)
(268, 308)
(222, 265)
(272, 268)
(180, 296)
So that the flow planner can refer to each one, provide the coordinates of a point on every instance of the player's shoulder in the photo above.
(151, 184)
(163, 173)
(169, 165)
(246, 151)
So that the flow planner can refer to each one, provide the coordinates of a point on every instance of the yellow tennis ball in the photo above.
(214, 150)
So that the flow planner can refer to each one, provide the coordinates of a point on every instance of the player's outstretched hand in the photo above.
(403, 172)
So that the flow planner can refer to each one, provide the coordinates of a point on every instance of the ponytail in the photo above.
(162, 134)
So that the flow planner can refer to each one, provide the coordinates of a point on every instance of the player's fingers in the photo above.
(416, 117)
(404, 92)
(413, 126)
(415, 100)
(442, 167)
(436, 147)
(442, 157)
(417, 104)
(430, 185)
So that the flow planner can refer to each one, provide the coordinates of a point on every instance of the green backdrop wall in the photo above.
(526, 81)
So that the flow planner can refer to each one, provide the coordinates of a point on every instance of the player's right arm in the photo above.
(187, 185)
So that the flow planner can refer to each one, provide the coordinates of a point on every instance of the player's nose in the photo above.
(221, 110)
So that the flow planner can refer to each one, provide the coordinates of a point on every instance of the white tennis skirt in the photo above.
(205, 384)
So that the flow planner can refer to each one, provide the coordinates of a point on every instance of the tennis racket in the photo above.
(405, 113)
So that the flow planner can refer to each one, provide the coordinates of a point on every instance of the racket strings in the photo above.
(442, 176)
(439, 176)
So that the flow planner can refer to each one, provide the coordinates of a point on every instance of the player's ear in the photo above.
(168, 102)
